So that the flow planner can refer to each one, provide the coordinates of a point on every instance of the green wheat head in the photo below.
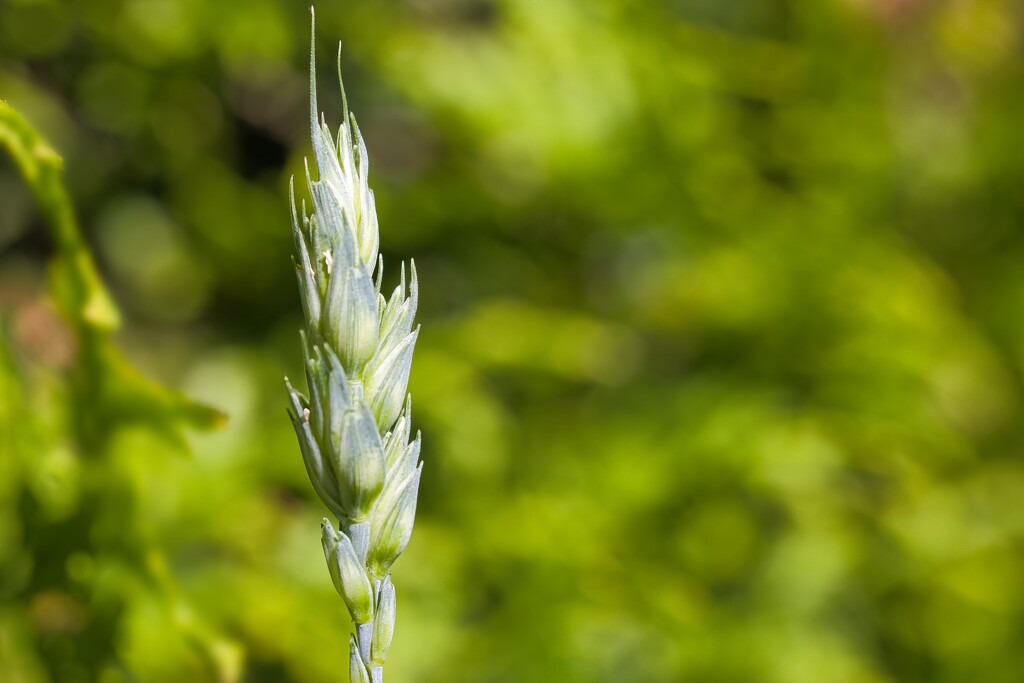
(354, 426)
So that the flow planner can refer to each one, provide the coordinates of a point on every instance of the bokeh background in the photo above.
(720, 370)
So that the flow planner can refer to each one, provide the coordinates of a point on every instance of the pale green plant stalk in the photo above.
(354, 425)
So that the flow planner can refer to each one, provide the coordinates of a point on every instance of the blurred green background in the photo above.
(720, 373)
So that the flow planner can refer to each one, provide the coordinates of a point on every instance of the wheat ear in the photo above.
(354, 425)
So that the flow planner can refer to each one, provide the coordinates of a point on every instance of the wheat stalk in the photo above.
(354, 426)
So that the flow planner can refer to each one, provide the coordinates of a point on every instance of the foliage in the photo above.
(721, 357)
(69, 500)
